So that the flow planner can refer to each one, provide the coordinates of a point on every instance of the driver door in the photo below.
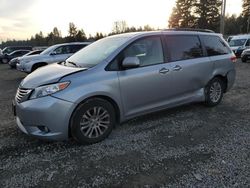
(147, 87)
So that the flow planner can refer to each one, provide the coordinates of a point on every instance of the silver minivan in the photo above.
(121, 77)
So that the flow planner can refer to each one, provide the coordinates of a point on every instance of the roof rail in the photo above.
(190, 29)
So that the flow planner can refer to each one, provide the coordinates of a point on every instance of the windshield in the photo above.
(7, 50)
(48, 50)
(96, 52)
(237, 42)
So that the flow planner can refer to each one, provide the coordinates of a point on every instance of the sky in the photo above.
(19, 19)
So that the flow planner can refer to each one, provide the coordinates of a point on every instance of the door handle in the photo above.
(164, 71)
(177, 68)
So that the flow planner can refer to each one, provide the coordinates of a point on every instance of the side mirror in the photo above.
(131, 62)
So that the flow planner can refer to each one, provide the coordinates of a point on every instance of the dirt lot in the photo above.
(190, 146)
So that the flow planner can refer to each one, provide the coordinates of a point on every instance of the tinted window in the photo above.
(75, 48)
(148, 50)
(62, 50)
(248, 42)
(184, 47)
(215, 46)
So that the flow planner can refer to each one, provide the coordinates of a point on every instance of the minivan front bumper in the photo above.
(46, 117)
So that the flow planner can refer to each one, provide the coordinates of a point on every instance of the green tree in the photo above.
(72, 31)
(56, 32)
(246, 15)
(207, 13)
(182, 14)
(80, 35)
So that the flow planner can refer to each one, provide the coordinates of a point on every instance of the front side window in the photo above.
(62, 50)
(148, 50)
(183, 47)
(215, 46)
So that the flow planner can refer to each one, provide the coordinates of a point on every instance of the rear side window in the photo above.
(183, 47)
(215, 45)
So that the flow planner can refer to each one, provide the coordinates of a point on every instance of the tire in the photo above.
(84, 121)
(243, 60)
(5, 61)
(214, 92)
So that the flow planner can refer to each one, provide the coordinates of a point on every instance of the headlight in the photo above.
(48, 90)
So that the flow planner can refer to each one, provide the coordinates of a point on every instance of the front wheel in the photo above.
(5, 60)
(92, 121)
(214, 92)
(243, 60)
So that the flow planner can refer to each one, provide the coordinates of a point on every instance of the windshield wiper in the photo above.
(72, 63)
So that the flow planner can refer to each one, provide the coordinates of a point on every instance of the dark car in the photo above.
(245, 56)
(5, 58)
(14, 61)
(10, 49)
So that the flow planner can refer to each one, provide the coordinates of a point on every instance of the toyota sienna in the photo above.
(121, 77)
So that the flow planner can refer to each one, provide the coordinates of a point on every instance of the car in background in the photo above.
(245, 56)
(14, 61)
(53, 54)
(229, 38)
(239, 43)
(10, 49)
(18, 53)
(121, 77)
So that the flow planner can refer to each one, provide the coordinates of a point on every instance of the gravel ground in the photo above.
(189, 146)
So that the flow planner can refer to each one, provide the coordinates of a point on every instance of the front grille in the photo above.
(22, 94)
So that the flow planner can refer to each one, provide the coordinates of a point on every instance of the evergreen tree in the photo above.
(246, 16)
(246, 8)
(72, 32)
(207, 14)
(80, 36)
(182, 14)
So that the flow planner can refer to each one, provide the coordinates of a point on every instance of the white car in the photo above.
(239, 43)
(53, 54)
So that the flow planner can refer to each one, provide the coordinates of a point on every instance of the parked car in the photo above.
(53, 54)
(121, 77)
(18, 53)
(239, 43)
(10, 49)
(245, 56)
(14, 61)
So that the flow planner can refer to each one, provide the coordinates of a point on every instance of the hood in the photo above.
(247, 50)
(48, 74)
(235, 47)
(32, 57)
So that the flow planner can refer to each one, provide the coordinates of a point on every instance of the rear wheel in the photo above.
(214, 92)
(92, 121)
